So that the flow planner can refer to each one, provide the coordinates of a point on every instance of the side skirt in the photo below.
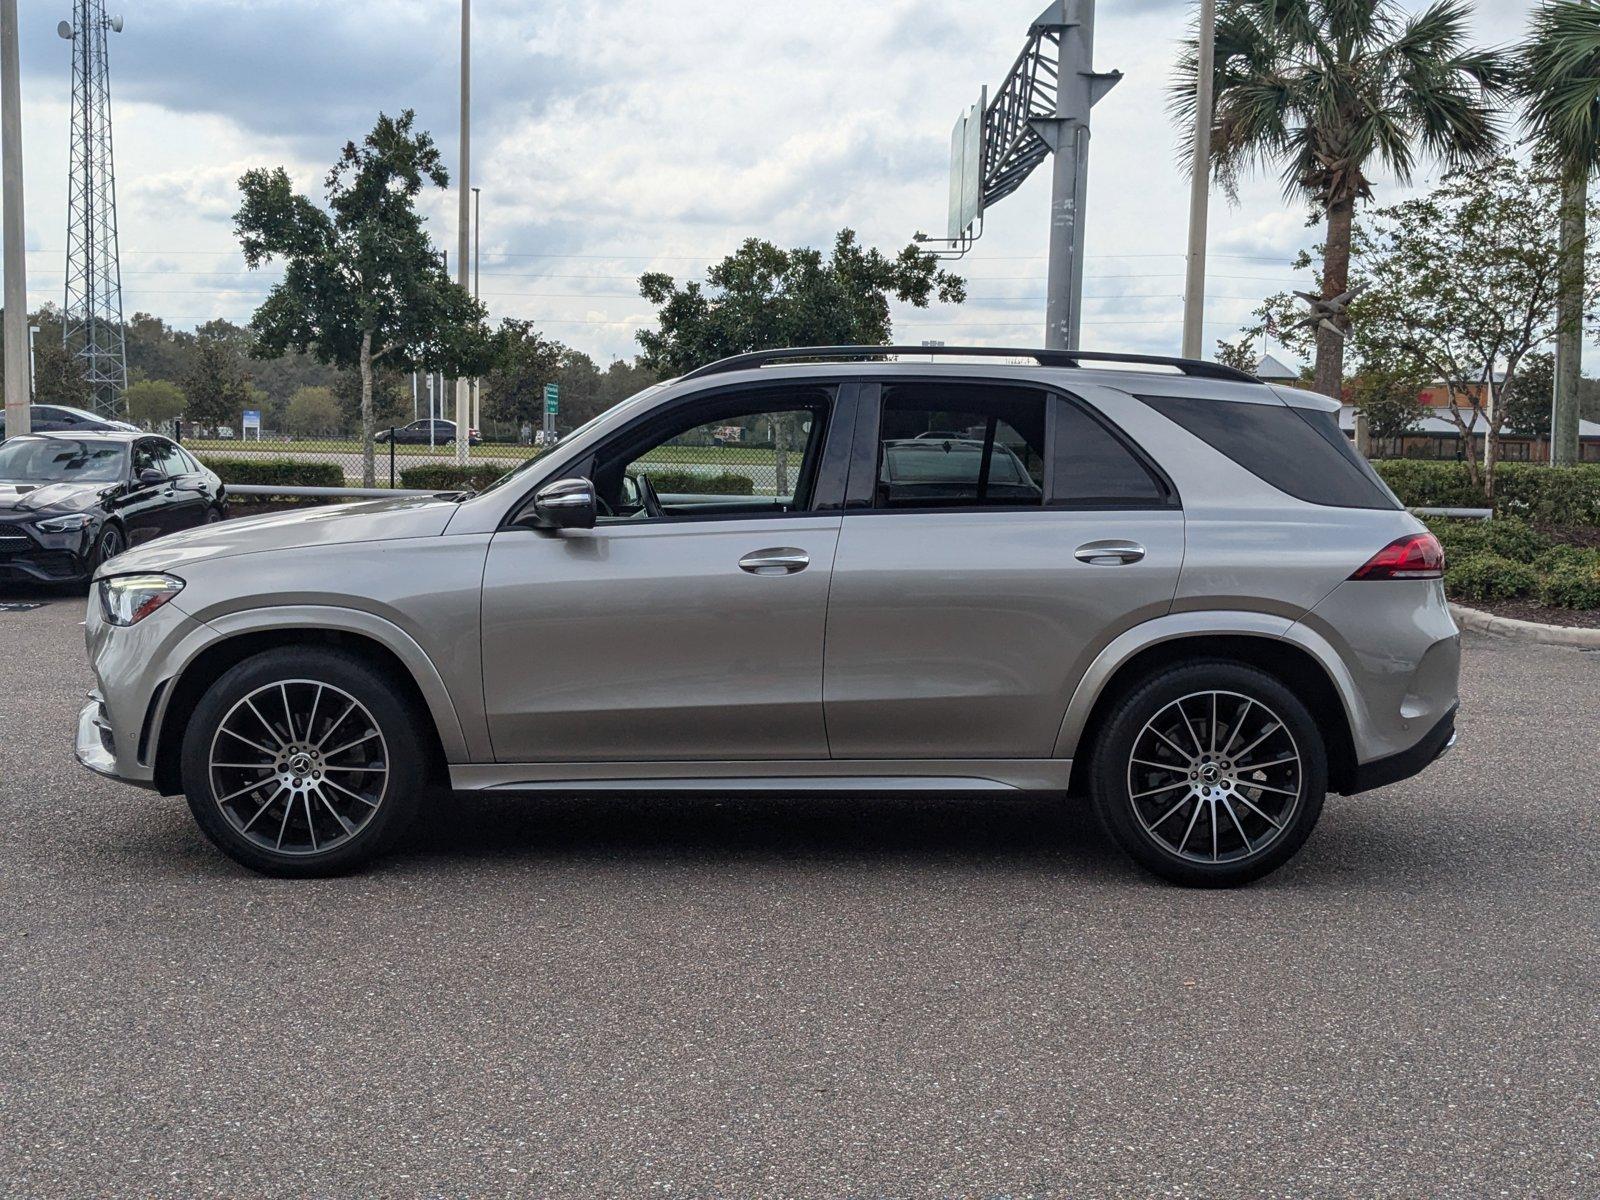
(771, 778)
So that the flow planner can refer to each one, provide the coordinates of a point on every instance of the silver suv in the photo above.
(1163, 585)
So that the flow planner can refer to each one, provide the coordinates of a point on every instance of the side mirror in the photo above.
(149, 477)
(566, 504)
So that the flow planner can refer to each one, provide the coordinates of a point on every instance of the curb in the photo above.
(1525, 631)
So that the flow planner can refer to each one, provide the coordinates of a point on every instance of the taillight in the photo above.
(1415, 556)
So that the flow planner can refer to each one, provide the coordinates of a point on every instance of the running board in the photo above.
(770, 778)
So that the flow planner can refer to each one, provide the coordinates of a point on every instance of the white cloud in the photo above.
(613, 138)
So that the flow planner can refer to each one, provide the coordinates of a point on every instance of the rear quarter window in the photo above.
(1298, 451)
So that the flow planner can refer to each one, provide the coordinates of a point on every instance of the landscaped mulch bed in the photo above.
(1528, 610)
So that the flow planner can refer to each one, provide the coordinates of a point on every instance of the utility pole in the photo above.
(17, 396)
(477, 279)
(464, 220)
(1067, 135)
(1194, 287)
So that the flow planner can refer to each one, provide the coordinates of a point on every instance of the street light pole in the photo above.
(464, 218)
(1194, 288)
(17, 399)
(477, 279)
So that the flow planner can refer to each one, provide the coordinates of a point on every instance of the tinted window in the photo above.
(1296, 450)
(170, 459)
(953, 446)
(147, 457)
(1094, 467)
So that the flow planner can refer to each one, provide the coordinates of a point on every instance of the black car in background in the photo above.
(68, 501)
(426, 433)
(58, 418)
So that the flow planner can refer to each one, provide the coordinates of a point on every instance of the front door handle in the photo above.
(779, 560)
(1110, 553)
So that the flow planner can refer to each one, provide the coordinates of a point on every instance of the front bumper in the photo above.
(28, 555)
(97, 742)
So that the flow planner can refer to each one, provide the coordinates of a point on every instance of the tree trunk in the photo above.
(1491, 439)
(1564, 449)
(369, 473)
(1335, 280)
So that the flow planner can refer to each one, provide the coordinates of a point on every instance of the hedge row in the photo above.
(282, 472)
(1507, 559)
(453, 477)
(673, 483)
(1543, 495)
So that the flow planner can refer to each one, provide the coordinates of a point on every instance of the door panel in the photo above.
(650, 642)
(963, 634)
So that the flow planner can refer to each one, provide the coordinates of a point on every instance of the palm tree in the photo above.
(1328, 89)
(1558, 77)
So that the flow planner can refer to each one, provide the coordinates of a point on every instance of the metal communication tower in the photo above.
(92, 322)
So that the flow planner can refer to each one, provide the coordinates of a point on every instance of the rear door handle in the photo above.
(1110, 553)
(779, 560)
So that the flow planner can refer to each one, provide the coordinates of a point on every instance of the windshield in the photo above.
(520, 468)
(62, 460)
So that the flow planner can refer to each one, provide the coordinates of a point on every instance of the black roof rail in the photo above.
(1195, 367)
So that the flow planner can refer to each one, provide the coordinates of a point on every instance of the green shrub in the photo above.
(1509, 537)
(1485, 576)
(283, 472)
(1572, 579)
(1540, 494)
(687, 482)
(452, 477)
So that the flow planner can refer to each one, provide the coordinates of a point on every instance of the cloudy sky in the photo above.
(614, 138)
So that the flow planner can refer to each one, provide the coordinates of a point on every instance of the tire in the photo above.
(213, 515)
(1244, 809)
(109, 544)
(331, 796)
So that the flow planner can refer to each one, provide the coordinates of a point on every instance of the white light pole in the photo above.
(17, 398)
(464, 219)
(477, 280)
(1194, 287)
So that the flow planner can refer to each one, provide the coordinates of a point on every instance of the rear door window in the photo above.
(1298, 451)
(951, 446)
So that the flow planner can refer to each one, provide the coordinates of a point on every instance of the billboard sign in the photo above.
(966, 169)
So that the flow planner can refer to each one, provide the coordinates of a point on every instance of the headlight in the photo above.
(67, 524)
(129, 599)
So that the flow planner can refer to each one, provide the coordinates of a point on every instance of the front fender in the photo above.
(441, 707)
(1199, 626)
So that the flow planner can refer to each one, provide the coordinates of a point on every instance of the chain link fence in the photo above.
(421, 454)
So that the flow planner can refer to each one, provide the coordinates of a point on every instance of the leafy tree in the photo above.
(762, 297)
(362, 283)
(1239, 354)
(1463, 282)
(312, 411)
(1527, 398)
(216, 383)
(1386, 393)
(1558, 79)
(154, 403)
(391, 400)
(525, 360)
(1328, 88)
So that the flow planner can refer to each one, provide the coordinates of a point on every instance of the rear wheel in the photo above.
(1210, 774)
(303, 762)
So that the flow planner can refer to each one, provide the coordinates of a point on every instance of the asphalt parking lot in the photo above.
(811, 998)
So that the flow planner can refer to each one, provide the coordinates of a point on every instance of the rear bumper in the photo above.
(1381, 772)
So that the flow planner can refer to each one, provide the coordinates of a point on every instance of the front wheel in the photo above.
(303, 762)
(1210, 774)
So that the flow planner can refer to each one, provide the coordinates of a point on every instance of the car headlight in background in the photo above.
(129, 599)
(67, 524)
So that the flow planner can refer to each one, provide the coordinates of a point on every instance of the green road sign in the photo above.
(552, 398)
